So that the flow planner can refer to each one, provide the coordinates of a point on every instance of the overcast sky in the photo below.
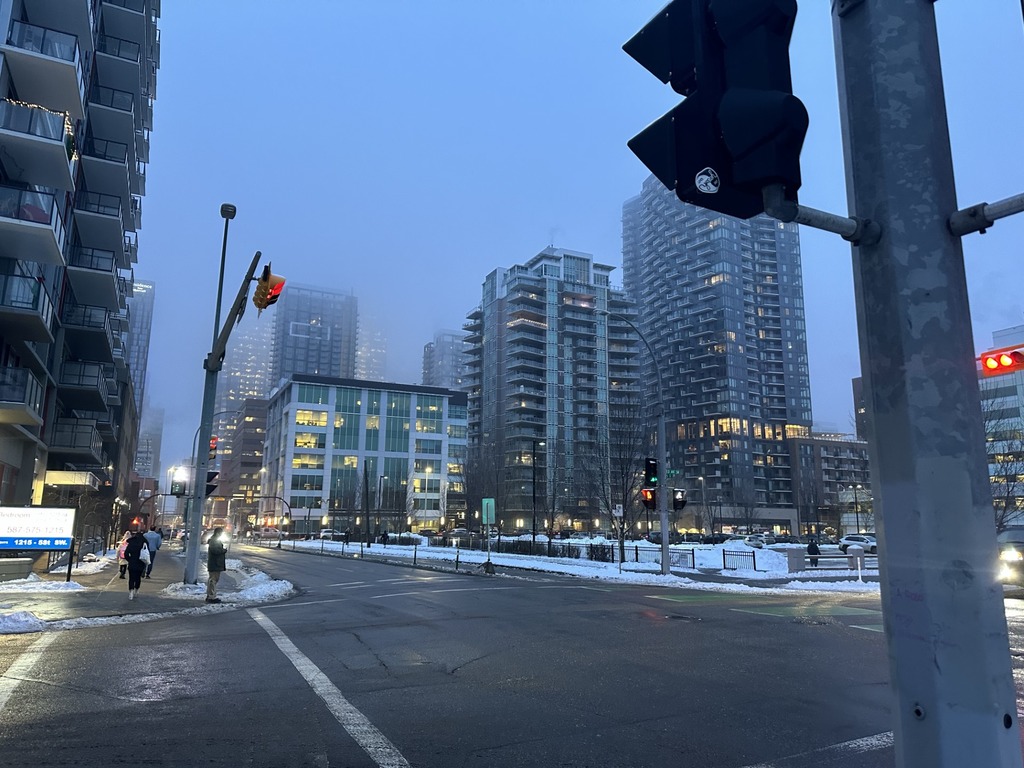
(402, 150)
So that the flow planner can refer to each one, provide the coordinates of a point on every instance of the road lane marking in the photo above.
(869, 627)
(815, 757)
(307, 602)
(23, 666)
(373, 742)
(438, 591)
(809, 610)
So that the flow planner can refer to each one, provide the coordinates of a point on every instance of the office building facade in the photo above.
(721, 302)
(78, 80)
(551, 365)
(369, 456)
(140, 330)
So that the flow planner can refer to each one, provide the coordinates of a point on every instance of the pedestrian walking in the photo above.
(813, 551)
(136, 552)
(154, 539)
(120, 552)
(216, 564)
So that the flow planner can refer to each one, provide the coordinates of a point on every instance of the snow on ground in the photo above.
(33, 583)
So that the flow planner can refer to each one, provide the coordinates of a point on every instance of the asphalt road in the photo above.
(382, 665)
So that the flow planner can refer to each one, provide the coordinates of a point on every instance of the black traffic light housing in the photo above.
(213, 447)
(678, 499)
(649, 497)
(211, 482)
(650, 473)
(178, 488)
(740, 127)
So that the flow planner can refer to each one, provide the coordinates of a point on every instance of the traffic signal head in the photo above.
(211, 482)
(650, 472)
(213, 447)
(268, 289)
(649, 497)
(678, 498)
(178, 488)
(740, 127)
(1002, 361)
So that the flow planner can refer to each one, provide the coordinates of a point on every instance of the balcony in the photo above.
(77, 437)
(106, 168)
(87, 332)
(112, 113)
(126, 19)
(139, 179)
(46, 67)
(93, 276)
(131, 250)
(21, 397)
(25, 308)
(117, 64)
(83, 385)
(31, 226)
(40, 142)
(105, 424)
(99, 220)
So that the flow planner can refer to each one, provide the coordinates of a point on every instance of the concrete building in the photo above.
(444, 360)
(236, 499)
(721, 303)
(315, 333)
(831, 478)
(369, 456)
(140, 329)
(552, 364)
(78, 80)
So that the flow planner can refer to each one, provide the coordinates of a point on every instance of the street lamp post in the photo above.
(533, 469)
(227, 211)
(704, 508)
(662, 491)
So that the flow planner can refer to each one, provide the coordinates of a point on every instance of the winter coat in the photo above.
(216, 557)
(132, 552)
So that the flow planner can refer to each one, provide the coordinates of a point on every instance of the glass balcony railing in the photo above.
(77, 435)
(139, 6)
(114, 151)
(48, 42)
(20, 386)
(24, 292)
(32, 205)
(33, 121)
(115, 46)
(113, 98)
(92, 258)
(85, 316)
(97, 202)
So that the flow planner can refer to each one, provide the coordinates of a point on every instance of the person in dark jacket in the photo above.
(216, 564)
(813, 551)
(136, 552)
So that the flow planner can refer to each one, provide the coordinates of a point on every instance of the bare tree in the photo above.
(1004, 444)
(487, 477)
(747, 511)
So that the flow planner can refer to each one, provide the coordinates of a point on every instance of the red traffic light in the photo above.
(648, 497)
(1001, 361)
(268, 289)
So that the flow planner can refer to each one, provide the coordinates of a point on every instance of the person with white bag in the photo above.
(136, 552)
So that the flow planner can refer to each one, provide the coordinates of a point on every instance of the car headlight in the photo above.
(1011, 556)
(1005, 574)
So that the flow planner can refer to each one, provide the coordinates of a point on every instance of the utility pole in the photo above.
(943, 609)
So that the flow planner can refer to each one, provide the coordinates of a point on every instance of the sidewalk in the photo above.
(106, 594)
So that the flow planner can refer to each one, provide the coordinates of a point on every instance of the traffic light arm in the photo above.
(980, 217)
(215, 359)
(853, 229)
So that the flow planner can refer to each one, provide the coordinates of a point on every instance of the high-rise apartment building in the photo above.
(721, 303)
(140, 330)
(315, 333)
(372, 352)
(444, 360)
(551, 364)
(246, 375)
(78, 79)
(151, 434)
(238, 485)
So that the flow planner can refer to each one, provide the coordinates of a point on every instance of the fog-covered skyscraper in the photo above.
(245, 375)
(315, 332)
(140, 331)
(721, 302)
(444, 360)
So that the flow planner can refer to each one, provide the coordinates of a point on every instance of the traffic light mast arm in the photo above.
(215, 359)
(853, 229)
(980, 217)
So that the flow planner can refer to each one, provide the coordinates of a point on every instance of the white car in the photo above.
(868, 543)
(755, 540)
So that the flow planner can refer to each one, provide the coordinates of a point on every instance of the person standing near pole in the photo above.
(216, 564)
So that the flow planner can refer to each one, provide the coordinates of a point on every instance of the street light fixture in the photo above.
(856, 503)
(227, 212)
(533, 469)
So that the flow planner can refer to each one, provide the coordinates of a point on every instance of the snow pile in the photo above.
(35, 584)
(19, 623)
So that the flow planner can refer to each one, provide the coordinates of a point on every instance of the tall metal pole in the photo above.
(944, 618)
(533, 484)
(227, 211)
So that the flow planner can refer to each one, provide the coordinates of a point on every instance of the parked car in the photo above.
(755, 540)
(693, 538)
(715, 538)
(331, 534)
(869, 543)
(267, 532)
(427, 532)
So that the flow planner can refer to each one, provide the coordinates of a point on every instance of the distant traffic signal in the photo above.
(268, 289)
(649, 497)
(650, 472)
(678, 498)
(740, 127)
(1002, 361)
(213, 447)
(211, 482)
(178, 488)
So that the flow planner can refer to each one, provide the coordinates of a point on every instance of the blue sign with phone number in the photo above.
(35, 543)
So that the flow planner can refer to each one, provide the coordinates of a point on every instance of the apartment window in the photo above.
(304, 418)
(310, 440)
